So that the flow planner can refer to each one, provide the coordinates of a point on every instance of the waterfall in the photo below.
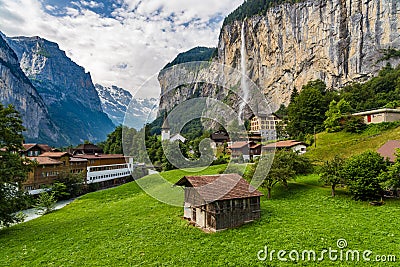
(243, 83)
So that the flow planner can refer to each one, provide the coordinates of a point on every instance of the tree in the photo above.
(353, 124)
(285, 166)
(68, 185)
(335, 113)
(331, 173)
(391, 178)
(45, 203)
(113, 144)
(13, 168)
(363, 175)
(307, 112)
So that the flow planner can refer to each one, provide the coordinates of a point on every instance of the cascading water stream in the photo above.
(245, 89)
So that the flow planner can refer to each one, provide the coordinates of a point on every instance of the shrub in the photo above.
(362, 175)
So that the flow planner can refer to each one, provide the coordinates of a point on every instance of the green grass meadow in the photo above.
(124, 226)
(349, 144)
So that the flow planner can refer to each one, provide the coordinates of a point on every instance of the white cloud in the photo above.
(92, 4)
(142, 36)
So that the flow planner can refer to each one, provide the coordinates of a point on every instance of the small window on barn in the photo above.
(194, 214)
(254, 201)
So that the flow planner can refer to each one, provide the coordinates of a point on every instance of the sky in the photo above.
(120, 42)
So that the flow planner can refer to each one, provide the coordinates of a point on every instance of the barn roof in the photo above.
(220, 187)
(388, 150)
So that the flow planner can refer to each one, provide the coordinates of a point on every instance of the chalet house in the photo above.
(247, 149)
(296, 146)
(266, 125)
(218, 202)
(380, 115)
(86, 149)
(34, 150)
(44, 174)
(389, 149)
(103, 169)
(48, 168)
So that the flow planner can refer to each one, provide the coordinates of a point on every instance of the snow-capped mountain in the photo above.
(115, 101)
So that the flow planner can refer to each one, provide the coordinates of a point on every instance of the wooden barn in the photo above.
(218, 202)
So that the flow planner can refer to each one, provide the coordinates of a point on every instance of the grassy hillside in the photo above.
(125, 227)
(349, 144)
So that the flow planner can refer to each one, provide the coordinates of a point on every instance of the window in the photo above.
(194, 214)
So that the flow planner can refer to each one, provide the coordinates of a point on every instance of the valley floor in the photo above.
(124, 226)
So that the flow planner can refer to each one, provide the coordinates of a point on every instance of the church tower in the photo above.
(165, 129)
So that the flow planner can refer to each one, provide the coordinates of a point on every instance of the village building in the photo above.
(104, 169)
(50, 166)
(34, 150)
(246, 149)
(389, 150)
(86, 149)
(43, 175)
(296, 146)
(165, 130)
(166, 133)
(266, 125)
(177, 137)
(218, 202)
(379, 115)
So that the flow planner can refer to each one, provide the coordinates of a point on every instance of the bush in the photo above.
(362, 175)
(353, 124)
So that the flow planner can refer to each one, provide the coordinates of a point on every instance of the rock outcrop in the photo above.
(16, 89)
(337, 41)
(67, 90)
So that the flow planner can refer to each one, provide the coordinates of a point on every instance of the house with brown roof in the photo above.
(34, 150)
(218, 202)
(389, 150)
(86, 149)
(296, 146)
(44, 173)
(49, 166)
(247, 149)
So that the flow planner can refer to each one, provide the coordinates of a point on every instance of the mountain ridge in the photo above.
(67, 90)
(116, 101)
(290, 44)
(16, 89)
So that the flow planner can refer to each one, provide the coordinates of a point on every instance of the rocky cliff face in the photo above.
(115, 102)
(16, 89)
(65, 87)
(337, 41)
